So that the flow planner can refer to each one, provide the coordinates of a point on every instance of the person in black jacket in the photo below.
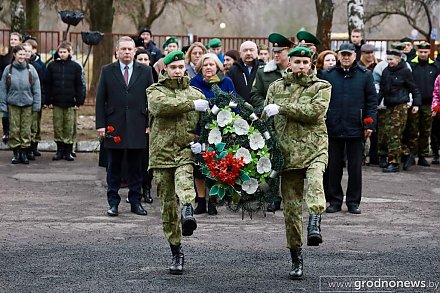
(150, 46)
(395, 85)
(244, 70)
(64, 91)
(350, 119)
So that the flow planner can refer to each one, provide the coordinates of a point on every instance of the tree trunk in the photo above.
(324, 11)
(17, 16)
(101, 19)
(355, 15)
(32, 16)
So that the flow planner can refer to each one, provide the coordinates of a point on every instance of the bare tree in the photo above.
(17, 16)
(324, 11)
(355, 15)
(32, 15)
(418, 13)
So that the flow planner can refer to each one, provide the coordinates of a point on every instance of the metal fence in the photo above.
(49, 40)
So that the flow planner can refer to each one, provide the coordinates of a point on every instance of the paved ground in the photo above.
(55, 237)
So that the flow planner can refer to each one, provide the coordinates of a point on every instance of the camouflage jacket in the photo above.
(173, 121)
(300, 125)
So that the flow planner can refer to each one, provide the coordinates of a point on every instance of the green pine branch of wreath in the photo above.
(240, 157)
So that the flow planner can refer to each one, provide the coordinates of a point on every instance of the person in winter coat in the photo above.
(192, 57)
(64, 91)
(150, 46)
(209, 72)
(20, 95)
(174, 108)
(435, 131)
(244, 70)
(395, 85)
(353, 100)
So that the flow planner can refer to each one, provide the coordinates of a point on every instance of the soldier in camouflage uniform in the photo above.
(173, 106)
(395, 85)
(301, 100)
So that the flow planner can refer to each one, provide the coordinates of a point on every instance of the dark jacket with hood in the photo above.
(64, 84)
(395, 85)
(242, 79)
(353, 99)
(424, 72)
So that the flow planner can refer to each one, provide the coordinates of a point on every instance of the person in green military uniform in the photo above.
(215, 46)
(299, 102)
(174, 108)
(309, 40)
(266, 74)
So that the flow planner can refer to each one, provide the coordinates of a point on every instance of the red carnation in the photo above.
(368, 120)
(436, 108)
(117, 139)
(110, 129)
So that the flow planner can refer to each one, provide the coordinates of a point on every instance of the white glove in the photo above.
(271, 110)
(201, 105)
(196, 148)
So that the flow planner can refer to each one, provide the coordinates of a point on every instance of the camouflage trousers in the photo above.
(292, 190)
(63, 124)
(418, 128)
(172, 181)
(382, 147)
(20, 120)
(395, 122)
(36, 127)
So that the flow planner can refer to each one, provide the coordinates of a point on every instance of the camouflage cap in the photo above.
(301, 52)
(279, 42)
(173, 56)
(308, 38)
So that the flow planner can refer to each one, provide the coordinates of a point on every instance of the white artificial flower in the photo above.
(241, 126)
(245, 154)
(224, 117)
(256, 141)
(215, 136)
(250, 186)
(264, 165)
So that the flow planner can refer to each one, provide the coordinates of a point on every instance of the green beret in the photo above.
(301, 52)
(169, 41)
(173, 56)
(424, 45)
(307, 37)
(279, 42)
(214, 43)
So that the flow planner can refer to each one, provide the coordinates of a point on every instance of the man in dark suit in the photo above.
(121, 119)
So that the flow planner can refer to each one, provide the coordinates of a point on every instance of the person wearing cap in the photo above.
(357, 39)
(263, 53)
(243, 71)
(215, 46)
(299, 101)
(310, 41)
(120, 104)
(425, 71)
(170, 45)
(267, 74)
(150, 46)
(174, 108)
(409, 50)
(353, 99)
(395, 86)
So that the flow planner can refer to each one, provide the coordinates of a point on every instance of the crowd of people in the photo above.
(324, 105)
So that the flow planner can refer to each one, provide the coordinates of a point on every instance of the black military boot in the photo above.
(5, 123)
(16, 157)
(407, 161)
(146, 194)
(23, 156)
(189, 223)
(34, 147)
(275, 205)
(176, 267)
(60, 151)
(68, 152)
(201, 206)
(383, 162)
(391, 168)
(212, 209)
(435, 157)
(314, 237)
(30, 154)
(423, 162)
(297, 264)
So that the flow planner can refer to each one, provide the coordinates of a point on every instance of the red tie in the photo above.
(126, 75)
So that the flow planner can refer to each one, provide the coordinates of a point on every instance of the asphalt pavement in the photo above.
(55, 236)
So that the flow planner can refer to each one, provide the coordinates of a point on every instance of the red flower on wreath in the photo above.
(368, 120)
(436, 108)
(226, 169)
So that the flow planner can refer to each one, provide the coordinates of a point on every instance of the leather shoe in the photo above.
(435, 160)
(423, 162)
(333, 209)
(138, 209)
(383, 162)
(354, 209)
(408, 161)
(147, 196)
(391, 168)
(113, 211)
(189, 223)
(274, 206)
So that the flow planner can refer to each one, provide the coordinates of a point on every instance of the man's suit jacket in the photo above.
(123, 107)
